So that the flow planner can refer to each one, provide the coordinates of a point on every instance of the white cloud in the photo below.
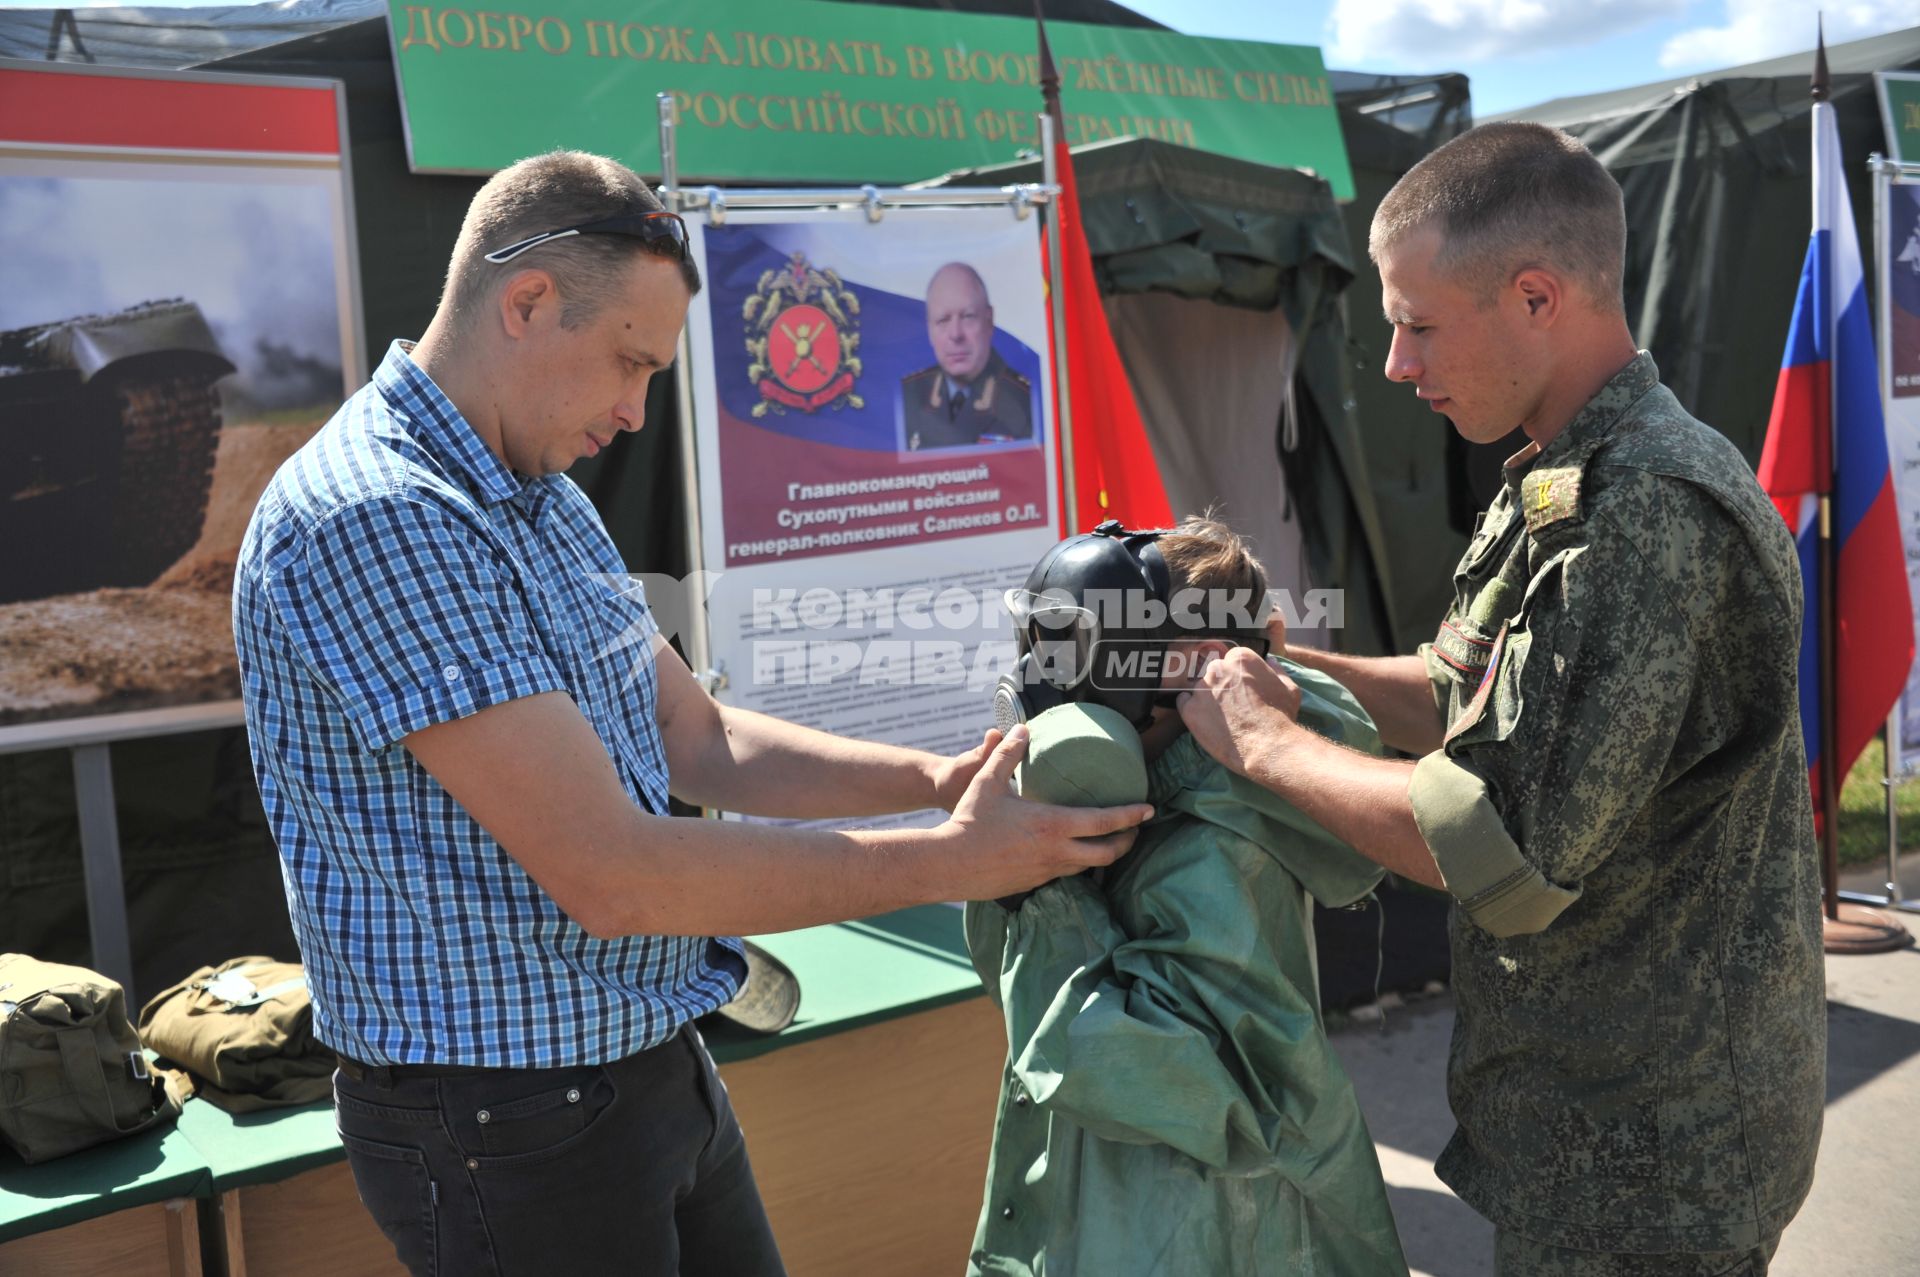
(1438, 35)
(1758, 29)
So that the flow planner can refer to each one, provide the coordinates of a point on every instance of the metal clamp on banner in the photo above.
(875, 201)
(712, 681)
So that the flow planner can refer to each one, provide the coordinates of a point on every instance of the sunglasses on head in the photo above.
(655, 228)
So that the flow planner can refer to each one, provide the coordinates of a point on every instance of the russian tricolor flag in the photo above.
(1827, 435)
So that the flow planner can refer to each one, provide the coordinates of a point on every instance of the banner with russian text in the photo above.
(779, 91)
(872, 416)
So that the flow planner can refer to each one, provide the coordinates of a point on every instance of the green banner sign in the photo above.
(782, 91)
(1900, 113)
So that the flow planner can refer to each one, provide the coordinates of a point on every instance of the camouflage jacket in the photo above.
(1621, 812)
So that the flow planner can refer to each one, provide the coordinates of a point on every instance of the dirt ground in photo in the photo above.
(170, 643)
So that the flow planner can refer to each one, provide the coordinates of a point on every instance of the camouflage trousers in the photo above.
(1517, 1256)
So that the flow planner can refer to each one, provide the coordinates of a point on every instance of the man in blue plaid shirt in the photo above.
(506, 935)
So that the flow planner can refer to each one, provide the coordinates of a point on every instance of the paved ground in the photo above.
(1863, 1217)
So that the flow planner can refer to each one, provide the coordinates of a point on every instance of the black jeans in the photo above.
(637, 1166)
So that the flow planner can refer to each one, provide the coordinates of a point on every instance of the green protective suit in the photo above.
(1171, 1103)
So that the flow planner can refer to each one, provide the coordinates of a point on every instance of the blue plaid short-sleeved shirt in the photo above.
(396, 575)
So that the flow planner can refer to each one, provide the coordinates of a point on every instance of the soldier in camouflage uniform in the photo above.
(1610, 781)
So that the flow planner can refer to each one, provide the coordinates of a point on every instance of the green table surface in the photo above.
(260, 1148)
(136, 1171)
(858, 973)
(851, 975)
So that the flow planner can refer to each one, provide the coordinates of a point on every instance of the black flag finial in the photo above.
(1049, 73)
(1822, 86)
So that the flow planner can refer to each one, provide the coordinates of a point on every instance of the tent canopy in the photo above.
(1776, 87)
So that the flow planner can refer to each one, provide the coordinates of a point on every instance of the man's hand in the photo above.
(952, 777)
(1004, 844)
(1240, 708)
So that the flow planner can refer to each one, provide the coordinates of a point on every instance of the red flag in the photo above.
(1115, 476)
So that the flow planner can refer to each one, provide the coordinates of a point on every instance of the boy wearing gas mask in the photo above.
(1170, 1104)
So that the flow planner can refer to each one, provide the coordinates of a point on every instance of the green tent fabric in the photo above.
(1171, 219)
(1416, 461)
(1718, 192)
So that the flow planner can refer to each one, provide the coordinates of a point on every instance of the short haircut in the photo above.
(1507, 197)
(1203, 553)
(548, 193)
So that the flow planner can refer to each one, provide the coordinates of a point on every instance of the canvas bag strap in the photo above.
(87, 1064)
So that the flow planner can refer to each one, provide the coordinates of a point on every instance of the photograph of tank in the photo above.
(172, 332)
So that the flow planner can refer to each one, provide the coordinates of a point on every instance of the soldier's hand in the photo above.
(1006, 845)
(1239, 707)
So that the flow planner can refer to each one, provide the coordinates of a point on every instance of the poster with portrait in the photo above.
(180, 316)
(872, 412)
(1899, 293)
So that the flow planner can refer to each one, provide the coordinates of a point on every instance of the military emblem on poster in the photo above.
(802, 334)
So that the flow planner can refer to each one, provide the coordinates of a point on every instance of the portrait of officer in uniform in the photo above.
(969, 396)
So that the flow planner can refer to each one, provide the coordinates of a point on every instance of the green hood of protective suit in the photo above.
(1171, 1104)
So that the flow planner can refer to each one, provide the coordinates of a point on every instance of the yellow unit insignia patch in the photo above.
(1549, 496)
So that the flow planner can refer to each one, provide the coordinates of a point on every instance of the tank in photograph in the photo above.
(108, 429)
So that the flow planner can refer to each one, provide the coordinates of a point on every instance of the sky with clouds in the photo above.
(1517, 52)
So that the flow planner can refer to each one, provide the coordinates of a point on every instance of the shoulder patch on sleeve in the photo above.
(1550, 496)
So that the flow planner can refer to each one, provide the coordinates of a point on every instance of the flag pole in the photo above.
(1051, 125)
(1829, 762)
(1860, 930)
(1056, 304)
(1821, 90)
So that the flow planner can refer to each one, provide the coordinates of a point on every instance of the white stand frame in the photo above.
(1884, 173)
(714, 202)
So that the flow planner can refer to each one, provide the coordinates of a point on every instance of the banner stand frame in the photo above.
(714, 202)
(1884, 172)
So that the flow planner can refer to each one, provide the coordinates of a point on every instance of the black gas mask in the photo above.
(1094, 623)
